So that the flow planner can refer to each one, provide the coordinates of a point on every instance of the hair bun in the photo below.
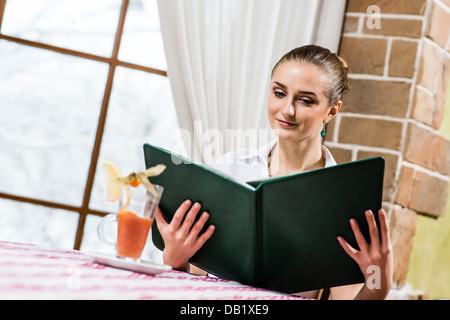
(344, 63)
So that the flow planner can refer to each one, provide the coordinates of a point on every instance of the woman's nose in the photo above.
(288, 110)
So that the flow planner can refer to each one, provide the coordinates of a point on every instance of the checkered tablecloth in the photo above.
(35, 272)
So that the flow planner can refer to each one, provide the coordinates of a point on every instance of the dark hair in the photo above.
(334, 66)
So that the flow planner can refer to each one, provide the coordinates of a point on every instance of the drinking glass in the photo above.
(134, 222)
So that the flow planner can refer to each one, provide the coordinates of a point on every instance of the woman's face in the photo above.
(298, 107)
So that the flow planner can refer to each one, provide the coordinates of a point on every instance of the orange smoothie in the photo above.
(132, 234)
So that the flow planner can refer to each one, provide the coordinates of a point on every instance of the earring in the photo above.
(323, 130)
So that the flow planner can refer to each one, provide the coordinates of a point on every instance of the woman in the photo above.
(307, 87)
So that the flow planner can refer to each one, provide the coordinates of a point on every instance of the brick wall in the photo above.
(400, 67)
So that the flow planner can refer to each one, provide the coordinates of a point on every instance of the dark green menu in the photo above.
(280, 233)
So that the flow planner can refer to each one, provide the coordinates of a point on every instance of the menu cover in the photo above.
(280, 233)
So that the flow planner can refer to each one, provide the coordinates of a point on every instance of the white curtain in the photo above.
(220, 54)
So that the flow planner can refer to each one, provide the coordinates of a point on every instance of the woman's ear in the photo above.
(334, 110)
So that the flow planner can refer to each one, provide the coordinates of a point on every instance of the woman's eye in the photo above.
(279, 94)
(306, 102)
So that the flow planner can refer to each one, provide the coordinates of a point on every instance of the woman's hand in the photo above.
(374, 259)
(182, 240)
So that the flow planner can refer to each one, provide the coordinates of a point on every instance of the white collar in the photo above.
(263, 153)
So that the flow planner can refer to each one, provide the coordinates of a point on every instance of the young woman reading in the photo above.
(306, 91)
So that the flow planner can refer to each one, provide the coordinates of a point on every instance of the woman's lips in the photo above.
(286, 124)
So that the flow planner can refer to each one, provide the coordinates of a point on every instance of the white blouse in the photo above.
(253, 164)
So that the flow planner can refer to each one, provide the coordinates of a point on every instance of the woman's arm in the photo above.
(181, 238)
(374, 259)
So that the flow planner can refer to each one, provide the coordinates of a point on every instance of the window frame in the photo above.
(113, 63)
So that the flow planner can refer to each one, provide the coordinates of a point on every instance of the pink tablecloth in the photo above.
(36, 272)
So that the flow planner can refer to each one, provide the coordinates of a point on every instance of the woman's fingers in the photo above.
(205, 236)
(347, 248)
(187, 229)
(376, 253)
(194, 237)
(179, 215)
(362, 243)
(190, 218)
(182, 238)
(384, 230)
(373, 229)
(184, 228)
(198, 226)
(380, 244)
(160, 221)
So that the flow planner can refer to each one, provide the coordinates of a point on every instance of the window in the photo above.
(80, 81)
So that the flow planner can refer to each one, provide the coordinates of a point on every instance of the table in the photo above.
(29, 271)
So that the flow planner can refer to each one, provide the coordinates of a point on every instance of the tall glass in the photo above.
(134, 222)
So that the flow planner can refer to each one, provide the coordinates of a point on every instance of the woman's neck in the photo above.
(292, 157)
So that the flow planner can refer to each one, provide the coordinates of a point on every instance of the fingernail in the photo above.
(187, 202)
(197, 205)
(205, 215)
